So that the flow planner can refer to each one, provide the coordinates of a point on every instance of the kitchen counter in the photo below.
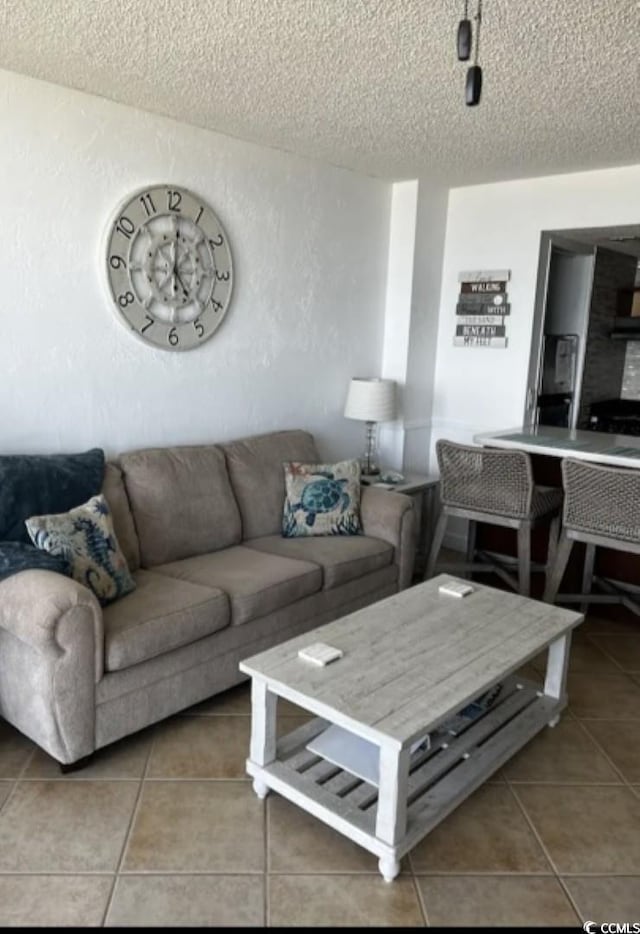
(604, 448)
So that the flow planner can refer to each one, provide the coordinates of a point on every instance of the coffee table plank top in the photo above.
(414, 658)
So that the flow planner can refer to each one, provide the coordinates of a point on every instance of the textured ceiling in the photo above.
(373, 85)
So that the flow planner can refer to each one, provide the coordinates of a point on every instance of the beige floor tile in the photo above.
(606, 898)
(620, 739)
(486, 833)
(203, 901)
(286, 725)
(586, 828)
(625, 650)
(343, 901)
(623, 626)
(287, 709)
(53, 901)
(562, 754)
(530, 673)
(65, 826)
(299, 842)
(495, 901)
(5, 788)
(585, 658)
(123, 759)
(201, 747)
(236, 700)
(16, 750)
(603, 698)
(197, 827)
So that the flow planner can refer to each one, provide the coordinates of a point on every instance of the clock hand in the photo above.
(176, 233)
(181, 283)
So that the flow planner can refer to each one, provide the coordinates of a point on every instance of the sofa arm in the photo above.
(43, 609)
(390, 516)
(51, 656)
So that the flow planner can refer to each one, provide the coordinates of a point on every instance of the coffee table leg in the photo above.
(391, 819)
(389, 868)
(556, 677)
(263, 730)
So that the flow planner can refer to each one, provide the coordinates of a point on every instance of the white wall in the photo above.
(418, 220)
(397, 322)
(498, 226)
(423, 338)
(309, 245)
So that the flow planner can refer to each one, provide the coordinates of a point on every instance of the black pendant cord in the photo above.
(478, 27)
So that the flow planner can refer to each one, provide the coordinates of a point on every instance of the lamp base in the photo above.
(369, 461)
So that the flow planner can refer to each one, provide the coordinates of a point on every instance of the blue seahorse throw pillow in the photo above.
(39, 484)
(322, 499)
(84, 537)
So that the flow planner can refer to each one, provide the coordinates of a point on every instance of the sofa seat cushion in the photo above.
(257, 583)
(342, 558)
(160, 615)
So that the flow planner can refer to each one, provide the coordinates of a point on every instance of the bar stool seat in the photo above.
(601, 508)
(496, 487)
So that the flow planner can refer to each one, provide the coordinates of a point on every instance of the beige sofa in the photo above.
(216, 582)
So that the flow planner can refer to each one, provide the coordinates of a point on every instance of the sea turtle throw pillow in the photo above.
(85, 538)
(322, 499)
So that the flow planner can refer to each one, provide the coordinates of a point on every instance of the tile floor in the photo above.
(164, 829)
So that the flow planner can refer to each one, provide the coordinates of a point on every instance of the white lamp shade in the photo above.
(371, 400)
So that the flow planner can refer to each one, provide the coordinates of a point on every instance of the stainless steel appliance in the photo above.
(556, 394)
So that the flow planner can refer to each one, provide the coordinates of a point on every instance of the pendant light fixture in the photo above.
(465, 46)
(465, 35)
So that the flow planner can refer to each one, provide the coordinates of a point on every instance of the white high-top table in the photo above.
(411, 662)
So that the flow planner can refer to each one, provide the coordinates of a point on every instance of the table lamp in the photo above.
(371, 401)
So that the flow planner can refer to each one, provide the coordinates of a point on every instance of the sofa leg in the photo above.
(66, 767)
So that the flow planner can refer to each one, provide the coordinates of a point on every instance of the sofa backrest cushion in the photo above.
(182, 502)
(257, 475)
(116, 496)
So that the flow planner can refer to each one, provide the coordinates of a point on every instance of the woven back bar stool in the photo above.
(497, 487)
(601, 507)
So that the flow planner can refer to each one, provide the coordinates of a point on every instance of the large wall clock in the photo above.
(169, 267)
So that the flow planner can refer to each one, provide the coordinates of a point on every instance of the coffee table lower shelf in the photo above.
(439, 779)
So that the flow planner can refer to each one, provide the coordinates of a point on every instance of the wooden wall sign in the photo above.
(482, 309)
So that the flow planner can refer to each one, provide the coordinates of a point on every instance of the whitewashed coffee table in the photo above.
(410, 663)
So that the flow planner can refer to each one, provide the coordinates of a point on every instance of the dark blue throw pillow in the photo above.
(16, 556)
(41, 484)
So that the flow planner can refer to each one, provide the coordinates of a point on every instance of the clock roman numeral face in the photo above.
(169, 267)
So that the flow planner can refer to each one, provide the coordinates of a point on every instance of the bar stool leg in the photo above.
(554, 579)
(471, 544)
(436, 545)
(587, 574)
(524, 559)
(552, 547)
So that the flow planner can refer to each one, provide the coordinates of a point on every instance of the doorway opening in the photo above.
(584, 369)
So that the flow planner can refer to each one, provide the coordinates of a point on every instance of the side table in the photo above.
(423, 488)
